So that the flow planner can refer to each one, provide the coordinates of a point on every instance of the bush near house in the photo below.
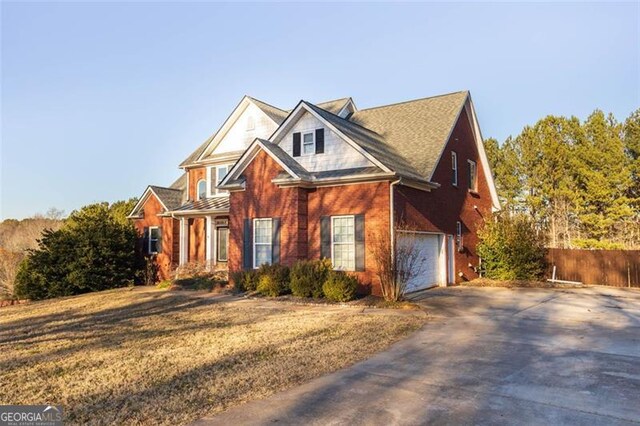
(308, 277)
(511, 248)
(340, 286)
(273, 280)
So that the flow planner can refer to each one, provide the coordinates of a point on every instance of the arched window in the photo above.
(202, 189)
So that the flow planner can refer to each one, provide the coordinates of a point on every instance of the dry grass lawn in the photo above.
(144, 356)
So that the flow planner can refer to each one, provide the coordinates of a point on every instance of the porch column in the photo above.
(184, 240)
(210, 240)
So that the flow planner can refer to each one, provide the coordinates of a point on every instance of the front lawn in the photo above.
(155, 357)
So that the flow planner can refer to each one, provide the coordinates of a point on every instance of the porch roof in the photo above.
(218, 204)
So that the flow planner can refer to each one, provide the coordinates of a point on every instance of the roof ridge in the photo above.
(265, 103)
(413, 100)
(334, 100)
(165, 187)
(345, 120)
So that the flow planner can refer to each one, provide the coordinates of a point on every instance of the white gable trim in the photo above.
(483, 156)
(145, 196)
(229, 123)
(246, 159)
(278, 134)
(346, 106)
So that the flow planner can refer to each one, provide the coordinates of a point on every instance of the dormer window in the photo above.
(308, 143)
(202, 189)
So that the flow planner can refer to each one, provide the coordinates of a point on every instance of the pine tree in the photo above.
(604, 178)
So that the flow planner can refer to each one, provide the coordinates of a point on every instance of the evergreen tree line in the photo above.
(578, 181)
(95, 249)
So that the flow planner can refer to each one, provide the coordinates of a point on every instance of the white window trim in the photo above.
(354, 242)
(251, 123)
(198, 197)
(255, 266)
(156, 240)
(473, 186)
(454, 167)
(212, 173)
(313, 136)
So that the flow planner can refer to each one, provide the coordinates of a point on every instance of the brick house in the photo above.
(326, 180)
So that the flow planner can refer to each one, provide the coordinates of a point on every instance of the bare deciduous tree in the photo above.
(397, 264)
(8, 269)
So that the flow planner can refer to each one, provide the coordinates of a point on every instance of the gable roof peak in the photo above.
(427, 98)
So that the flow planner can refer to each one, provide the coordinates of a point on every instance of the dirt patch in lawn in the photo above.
(157, 357)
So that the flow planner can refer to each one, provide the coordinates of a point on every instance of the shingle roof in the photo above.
(330, 174)
(285, 158)
(170, 197)
(333, 106)
(275, 113)
(415, 130)
(372, 143)
(213, 204)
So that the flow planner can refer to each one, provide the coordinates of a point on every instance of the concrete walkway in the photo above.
(488, 356)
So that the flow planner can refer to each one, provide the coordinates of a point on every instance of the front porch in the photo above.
(203, 233)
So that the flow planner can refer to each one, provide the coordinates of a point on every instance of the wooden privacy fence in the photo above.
(617, 268)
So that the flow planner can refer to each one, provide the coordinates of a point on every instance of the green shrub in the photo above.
(273, 280)
(93, 251)
(308, 276)
(511, 249)
(164, 284)
(245, 280)
(340, 287)
(195, 283)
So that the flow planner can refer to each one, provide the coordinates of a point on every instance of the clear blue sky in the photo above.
(101, 99)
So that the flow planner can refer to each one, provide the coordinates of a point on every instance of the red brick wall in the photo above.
(197, 239)
(300, 211)
(165, 260)
(370, 199)
(439, 209)
(261, 198)
(196, 175)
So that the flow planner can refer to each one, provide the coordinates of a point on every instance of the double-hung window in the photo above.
(343, 246)
(454, 168)
(154, 240)
(473, 176)
(221, 172)
(262, 241)
(308, 143)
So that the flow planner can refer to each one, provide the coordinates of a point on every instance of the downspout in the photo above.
(392, 219)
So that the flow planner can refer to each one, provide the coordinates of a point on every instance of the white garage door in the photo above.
(430, 266)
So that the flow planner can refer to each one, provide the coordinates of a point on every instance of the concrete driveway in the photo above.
(488, 356)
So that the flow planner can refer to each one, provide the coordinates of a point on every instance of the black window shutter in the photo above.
(319, 141)
(275, 240)
(145, 240)
(296, 144)
(159, 243)
(247, 246)
(325, 237)
(359, 239)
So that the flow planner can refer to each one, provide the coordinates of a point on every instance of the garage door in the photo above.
(430, 266)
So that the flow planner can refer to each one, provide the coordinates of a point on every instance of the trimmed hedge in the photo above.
(308, 277)
(340, 287)
(273, 280)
